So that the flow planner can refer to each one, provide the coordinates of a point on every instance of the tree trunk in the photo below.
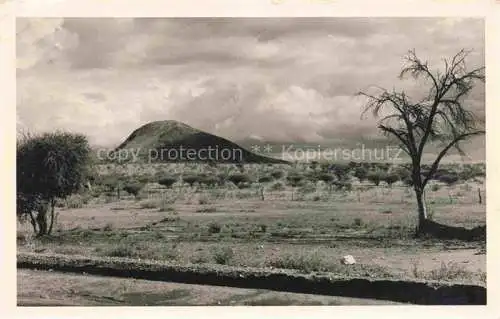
(41, 220)
(422, 210)
(33, 222)
(52, 207)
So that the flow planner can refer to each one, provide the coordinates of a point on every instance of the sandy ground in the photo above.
(83, 290)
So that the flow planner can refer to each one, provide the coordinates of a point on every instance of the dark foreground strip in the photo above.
(423, 293)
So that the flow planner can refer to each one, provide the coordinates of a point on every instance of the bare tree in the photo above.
(441, 115)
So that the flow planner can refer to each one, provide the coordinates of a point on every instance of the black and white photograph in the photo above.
(250, 161)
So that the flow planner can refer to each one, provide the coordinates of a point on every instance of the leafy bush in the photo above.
(167, 181)
(238, 178)
(435, 187)
(449, 179)
(325, 177)
(49, 166)
(277, 174)
(210, 180)
(191, 179)
(343, 185)
(340, 170)
(391, 178)
(133, 189)
(278, 186)
(265, 179)
(375, 177)
(294, 179)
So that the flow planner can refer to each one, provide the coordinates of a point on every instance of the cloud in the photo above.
(281, 79)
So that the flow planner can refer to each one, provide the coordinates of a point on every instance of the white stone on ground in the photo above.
(348, 260)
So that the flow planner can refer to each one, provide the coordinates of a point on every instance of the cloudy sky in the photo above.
(278, 79)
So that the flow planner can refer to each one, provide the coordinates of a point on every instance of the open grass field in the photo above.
(305, 230)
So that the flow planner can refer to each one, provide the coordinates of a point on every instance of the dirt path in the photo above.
(43, 288)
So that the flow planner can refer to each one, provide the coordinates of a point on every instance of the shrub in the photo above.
(340, 170)
(191, 179)
(391, 178)
(239, 178)
(294, 179)
(408, 181)
(343, 185)
(108, 227)
(203, 200)
(448, 179)
(308, 188)
(326, 177)
(358, 222)
(167, 181)
(144, 179)
(133, 189)
(49, 166)
(302, 262)
(223, 256)
(375, 177)
(265, 179)
(277, 174)
(214, 228)
(245, 185)
(435, 187)
(278, 186)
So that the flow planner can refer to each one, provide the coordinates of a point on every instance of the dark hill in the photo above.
(172, 141)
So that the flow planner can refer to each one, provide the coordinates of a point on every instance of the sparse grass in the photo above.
(206, 209)
(118, 251)
(139, 250)
(200, 258)
(150, 204)
(67, 250)
(163, 203)
(435, 187)
(223, 255)
(317, 261)
(166, 208)
(77, 201)
(448, 272)
(309, 232)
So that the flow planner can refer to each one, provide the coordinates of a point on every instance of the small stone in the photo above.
(348, 260)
